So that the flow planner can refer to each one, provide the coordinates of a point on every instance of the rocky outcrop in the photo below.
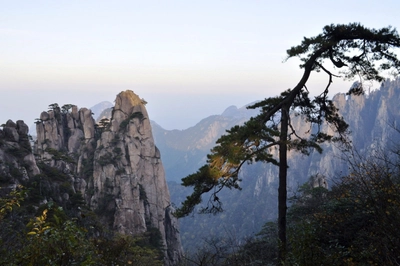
(115, 166)
(17, 162)
(128, 170)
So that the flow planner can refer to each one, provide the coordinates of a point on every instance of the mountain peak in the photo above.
(99, 108)
(126, 100)
(231, 111)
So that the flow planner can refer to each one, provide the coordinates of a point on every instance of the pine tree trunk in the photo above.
(282, 190)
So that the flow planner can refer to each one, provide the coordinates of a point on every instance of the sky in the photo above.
(188, 59)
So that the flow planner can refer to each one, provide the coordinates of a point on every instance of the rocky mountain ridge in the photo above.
(115, 167)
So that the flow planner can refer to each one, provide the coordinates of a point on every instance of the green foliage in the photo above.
(102, 126)
(11, 200)
(52, 238)
(106, 208)
(203, 181)
(11, 172)
(5, 178)
(356, 223)
(115, 140)
(52, 184)
(104, 123)
(54, 107)
(152, 239)
(62, 243)
(66, 108)
(25, 144)
(352, 46)
(123, 124)
(66, 187)
(117, 150)
(112, 158)
(77, 200)
(37, 189)
(60, 156)
(87, 166)
(258, 250)
(17, 152)
(52, 173)
(142, 193)
(120, 171)
(117, 154)
(126, 250)
(106, 159)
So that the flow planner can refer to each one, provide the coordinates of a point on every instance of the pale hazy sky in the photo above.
(188, 59)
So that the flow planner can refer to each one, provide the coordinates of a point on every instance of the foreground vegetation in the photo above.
(37, 230)
(53, 238)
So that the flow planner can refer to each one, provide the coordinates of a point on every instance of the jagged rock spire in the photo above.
(129, 177)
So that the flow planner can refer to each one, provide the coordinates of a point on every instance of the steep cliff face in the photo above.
(128, 169)
(116, 167)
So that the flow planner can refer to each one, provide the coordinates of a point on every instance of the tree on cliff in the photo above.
(351, 51)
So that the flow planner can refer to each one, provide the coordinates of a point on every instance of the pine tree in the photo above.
(351, 51)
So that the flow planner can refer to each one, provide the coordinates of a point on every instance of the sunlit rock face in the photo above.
(128, 169)
(116, 167)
